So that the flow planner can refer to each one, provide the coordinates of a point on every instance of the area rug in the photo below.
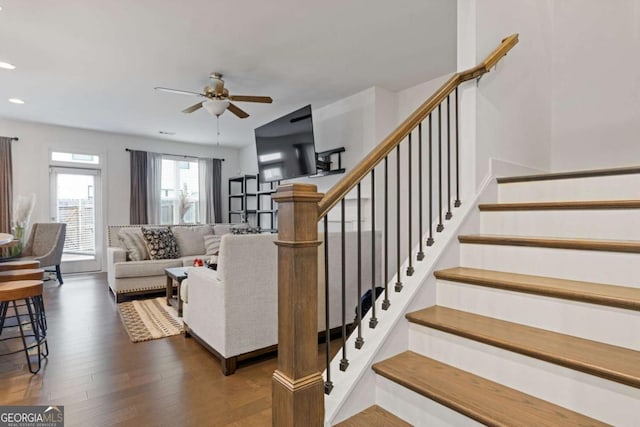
(149, 319)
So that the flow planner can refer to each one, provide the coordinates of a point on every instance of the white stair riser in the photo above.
(417, 409)
(587, 394)
(609, 325)
(614, 224)
(617, 187)
(614, 268)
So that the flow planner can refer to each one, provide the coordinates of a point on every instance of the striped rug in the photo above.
(149, 319)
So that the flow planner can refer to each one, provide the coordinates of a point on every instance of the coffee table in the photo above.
(177, 275)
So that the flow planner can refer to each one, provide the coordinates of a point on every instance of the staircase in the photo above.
(540, 324)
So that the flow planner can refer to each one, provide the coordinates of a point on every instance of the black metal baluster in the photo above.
(374, 320)
(420, 251)
(410, 269)
(449, 214)
(328, 384)
(386, 303)
(344, 362)
(398, 286)
(359, 339)
(440, 226)
(430, 238)
(458, 202)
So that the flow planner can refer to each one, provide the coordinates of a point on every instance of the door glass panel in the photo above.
(75, 205)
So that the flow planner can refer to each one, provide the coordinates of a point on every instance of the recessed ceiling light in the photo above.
(16, 101)
(7, 66)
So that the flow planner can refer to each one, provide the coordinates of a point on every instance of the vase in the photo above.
(18, 234)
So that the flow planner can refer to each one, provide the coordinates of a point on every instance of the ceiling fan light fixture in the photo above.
(216, 107)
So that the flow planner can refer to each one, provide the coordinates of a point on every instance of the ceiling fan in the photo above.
(217, 98)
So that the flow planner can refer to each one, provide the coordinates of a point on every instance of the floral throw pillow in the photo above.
(161, 243)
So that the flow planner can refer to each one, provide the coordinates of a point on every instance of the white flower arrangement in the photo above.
(22, 210)
(184, 204)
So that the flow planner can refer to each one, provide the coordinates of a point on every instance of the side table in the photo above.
(177, 275)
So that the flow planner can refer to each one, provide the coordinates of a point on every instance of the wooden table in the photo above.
(177, 275)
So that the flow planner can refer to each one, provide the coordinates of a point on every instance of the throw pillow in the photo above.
(221, 229)
(212, 244)
(133, 241)
(190, 239)
(160, 243)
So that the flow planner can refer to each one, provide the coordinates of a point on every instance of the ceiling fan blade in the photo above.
(241, 98)
(237, 111)
(193, 108)
(181, 92)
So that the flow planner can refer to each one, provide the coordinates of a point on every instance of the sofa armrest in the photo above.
(204, 309)
(114, 255)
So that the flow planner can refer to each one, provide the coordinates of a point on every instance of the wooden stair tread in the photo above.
(594, 293)
(576, 205)
(483, 400)
(373, 416)
(604, 360)
(630, 246)
(571, 175)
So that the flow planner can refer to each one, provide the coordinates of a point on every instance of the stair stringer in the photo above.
(354, 390)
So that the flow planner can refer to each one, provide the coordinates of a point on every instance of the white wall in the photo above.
(31, 162)
(567, 97)
(514, 100)
(596, 84)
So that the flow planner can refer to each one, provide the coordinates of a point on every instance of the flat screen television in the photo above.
(286, 147)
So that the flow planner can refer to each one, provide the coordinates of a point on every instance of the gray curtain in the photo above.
(205, 177)
(154, 181)
(6, 185)
(210, 189)
(216, 191)
(138, 201)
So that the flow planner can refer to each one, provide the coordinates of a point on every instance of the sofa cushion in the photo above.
(160, 243)
(212, 245)
(191, 239)
(144, 268)
(221, 229)
(133, 241)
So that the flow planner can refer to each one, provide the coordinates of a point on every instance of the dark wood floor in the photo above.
(103, 379)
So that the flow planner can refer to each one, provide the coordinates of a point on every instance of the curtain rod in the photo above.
(180, 155)
(13, 138)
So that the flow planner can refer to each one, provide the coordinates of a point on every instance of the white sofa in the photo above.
(233, 311)
(127, 277)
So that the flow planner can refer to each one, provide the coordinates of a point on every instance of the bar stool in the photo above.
(19, 265)
(29, 291)
(22, 274)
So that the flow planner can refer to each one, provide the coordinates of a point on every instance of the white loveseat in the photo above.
(233, 311)
(127, 277)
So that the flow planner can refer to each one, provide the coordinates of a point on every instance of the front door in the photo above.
(76, 201)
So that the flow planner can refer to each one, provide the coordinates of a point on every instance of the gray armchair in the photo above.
(45, 244)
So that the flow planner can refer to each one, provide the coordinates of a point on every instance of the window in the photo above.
(179, 194)
(91, 159)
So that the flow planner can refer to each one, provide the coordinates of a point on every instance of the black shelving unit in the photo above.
(239, 197)
(250, 201)
(267, 214)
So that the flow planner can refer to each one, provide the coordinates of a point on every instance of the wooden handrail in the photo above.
(358, 173)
